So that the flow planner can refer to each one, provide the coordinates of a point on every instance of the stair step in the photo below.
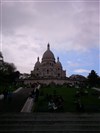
(46, 117)
(49, 119)
(50, 127)
(53, 114)
(31, 131)
(49, 123)
(51, 130)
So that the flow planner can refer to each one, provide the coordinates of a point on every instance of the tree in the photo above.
(8, 73)
(1, 59)
(15, 76)
(93, 78)
(9, 67)
(1, 56)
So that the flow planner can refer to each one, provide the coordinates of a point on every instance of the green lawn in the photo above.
(91, 102)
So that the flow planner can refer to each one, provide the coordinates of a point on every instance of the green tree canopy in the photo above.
(8, 67)
(93, 78)
(8, 73)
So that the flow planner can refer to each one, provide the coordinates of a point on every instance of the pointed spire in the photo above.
(48, 46)
(57, 59)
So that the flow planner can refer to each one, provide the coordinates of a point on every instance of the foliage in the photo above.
(93, 79)
(8, 74)
(1, 55)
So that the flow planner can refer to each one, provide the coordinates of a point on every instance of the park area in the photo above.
(88, 98)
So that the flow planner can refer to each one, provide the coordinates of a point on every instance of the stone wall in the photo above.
(46, 81)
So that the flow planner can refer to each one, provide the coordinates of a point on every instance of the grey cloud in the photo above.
(15, 16)
(28, 27)
(81, 71)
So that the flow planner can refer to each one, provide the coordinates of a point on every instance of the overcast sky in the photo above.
(71, 28)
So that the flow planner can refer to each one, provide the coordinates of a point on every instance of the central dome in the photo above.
(48, 55)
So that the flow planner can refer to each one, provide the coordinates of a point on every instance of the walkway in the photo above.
(97, 89)
(17, 102)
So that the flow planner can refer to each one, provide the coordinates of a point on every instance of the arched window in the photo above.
(58, 74)
(58, 68)
(47, 71)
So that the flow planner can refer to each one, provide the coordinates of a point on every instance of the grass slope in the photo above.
(91, 102)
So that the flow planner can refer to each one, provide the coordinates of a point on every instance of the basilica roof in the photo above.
(48, 67)
(48, 55)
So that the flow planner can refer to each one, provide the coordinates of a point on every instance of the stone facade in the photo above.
(48, 71)
(47, 81)
(48, 68)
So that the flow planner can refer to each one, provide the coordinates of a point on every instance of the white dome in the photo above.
(58, 64)
(48, 55)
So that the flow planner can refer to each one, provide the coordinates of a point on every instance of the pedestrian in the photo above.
(5, 93)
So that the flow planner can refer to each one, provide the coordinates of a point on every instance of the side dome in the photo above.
(37, 64)
(48, 55)
(58, 64)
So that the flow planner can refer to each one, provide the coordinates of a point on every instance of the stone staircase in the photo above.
(49, 123)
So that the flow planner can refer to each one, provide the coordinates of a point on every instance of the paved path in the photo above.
(17, 102)
(1, 96)
(20, 88)
(28, 105)
(97, 89)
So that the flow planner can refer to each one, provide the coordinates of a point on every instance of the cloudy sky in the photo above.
(71, 28)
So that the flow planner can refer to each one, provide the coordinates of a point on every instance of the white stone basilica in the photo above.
(48, 71)
(48, 68)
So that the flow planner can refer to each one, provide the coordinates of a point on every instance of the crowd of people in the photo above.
(55, 102)
(78, 101)
(35, 92)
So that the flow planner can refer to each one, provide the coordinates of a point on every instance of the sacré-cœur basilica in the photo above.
(48, 71)
(48, 68)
